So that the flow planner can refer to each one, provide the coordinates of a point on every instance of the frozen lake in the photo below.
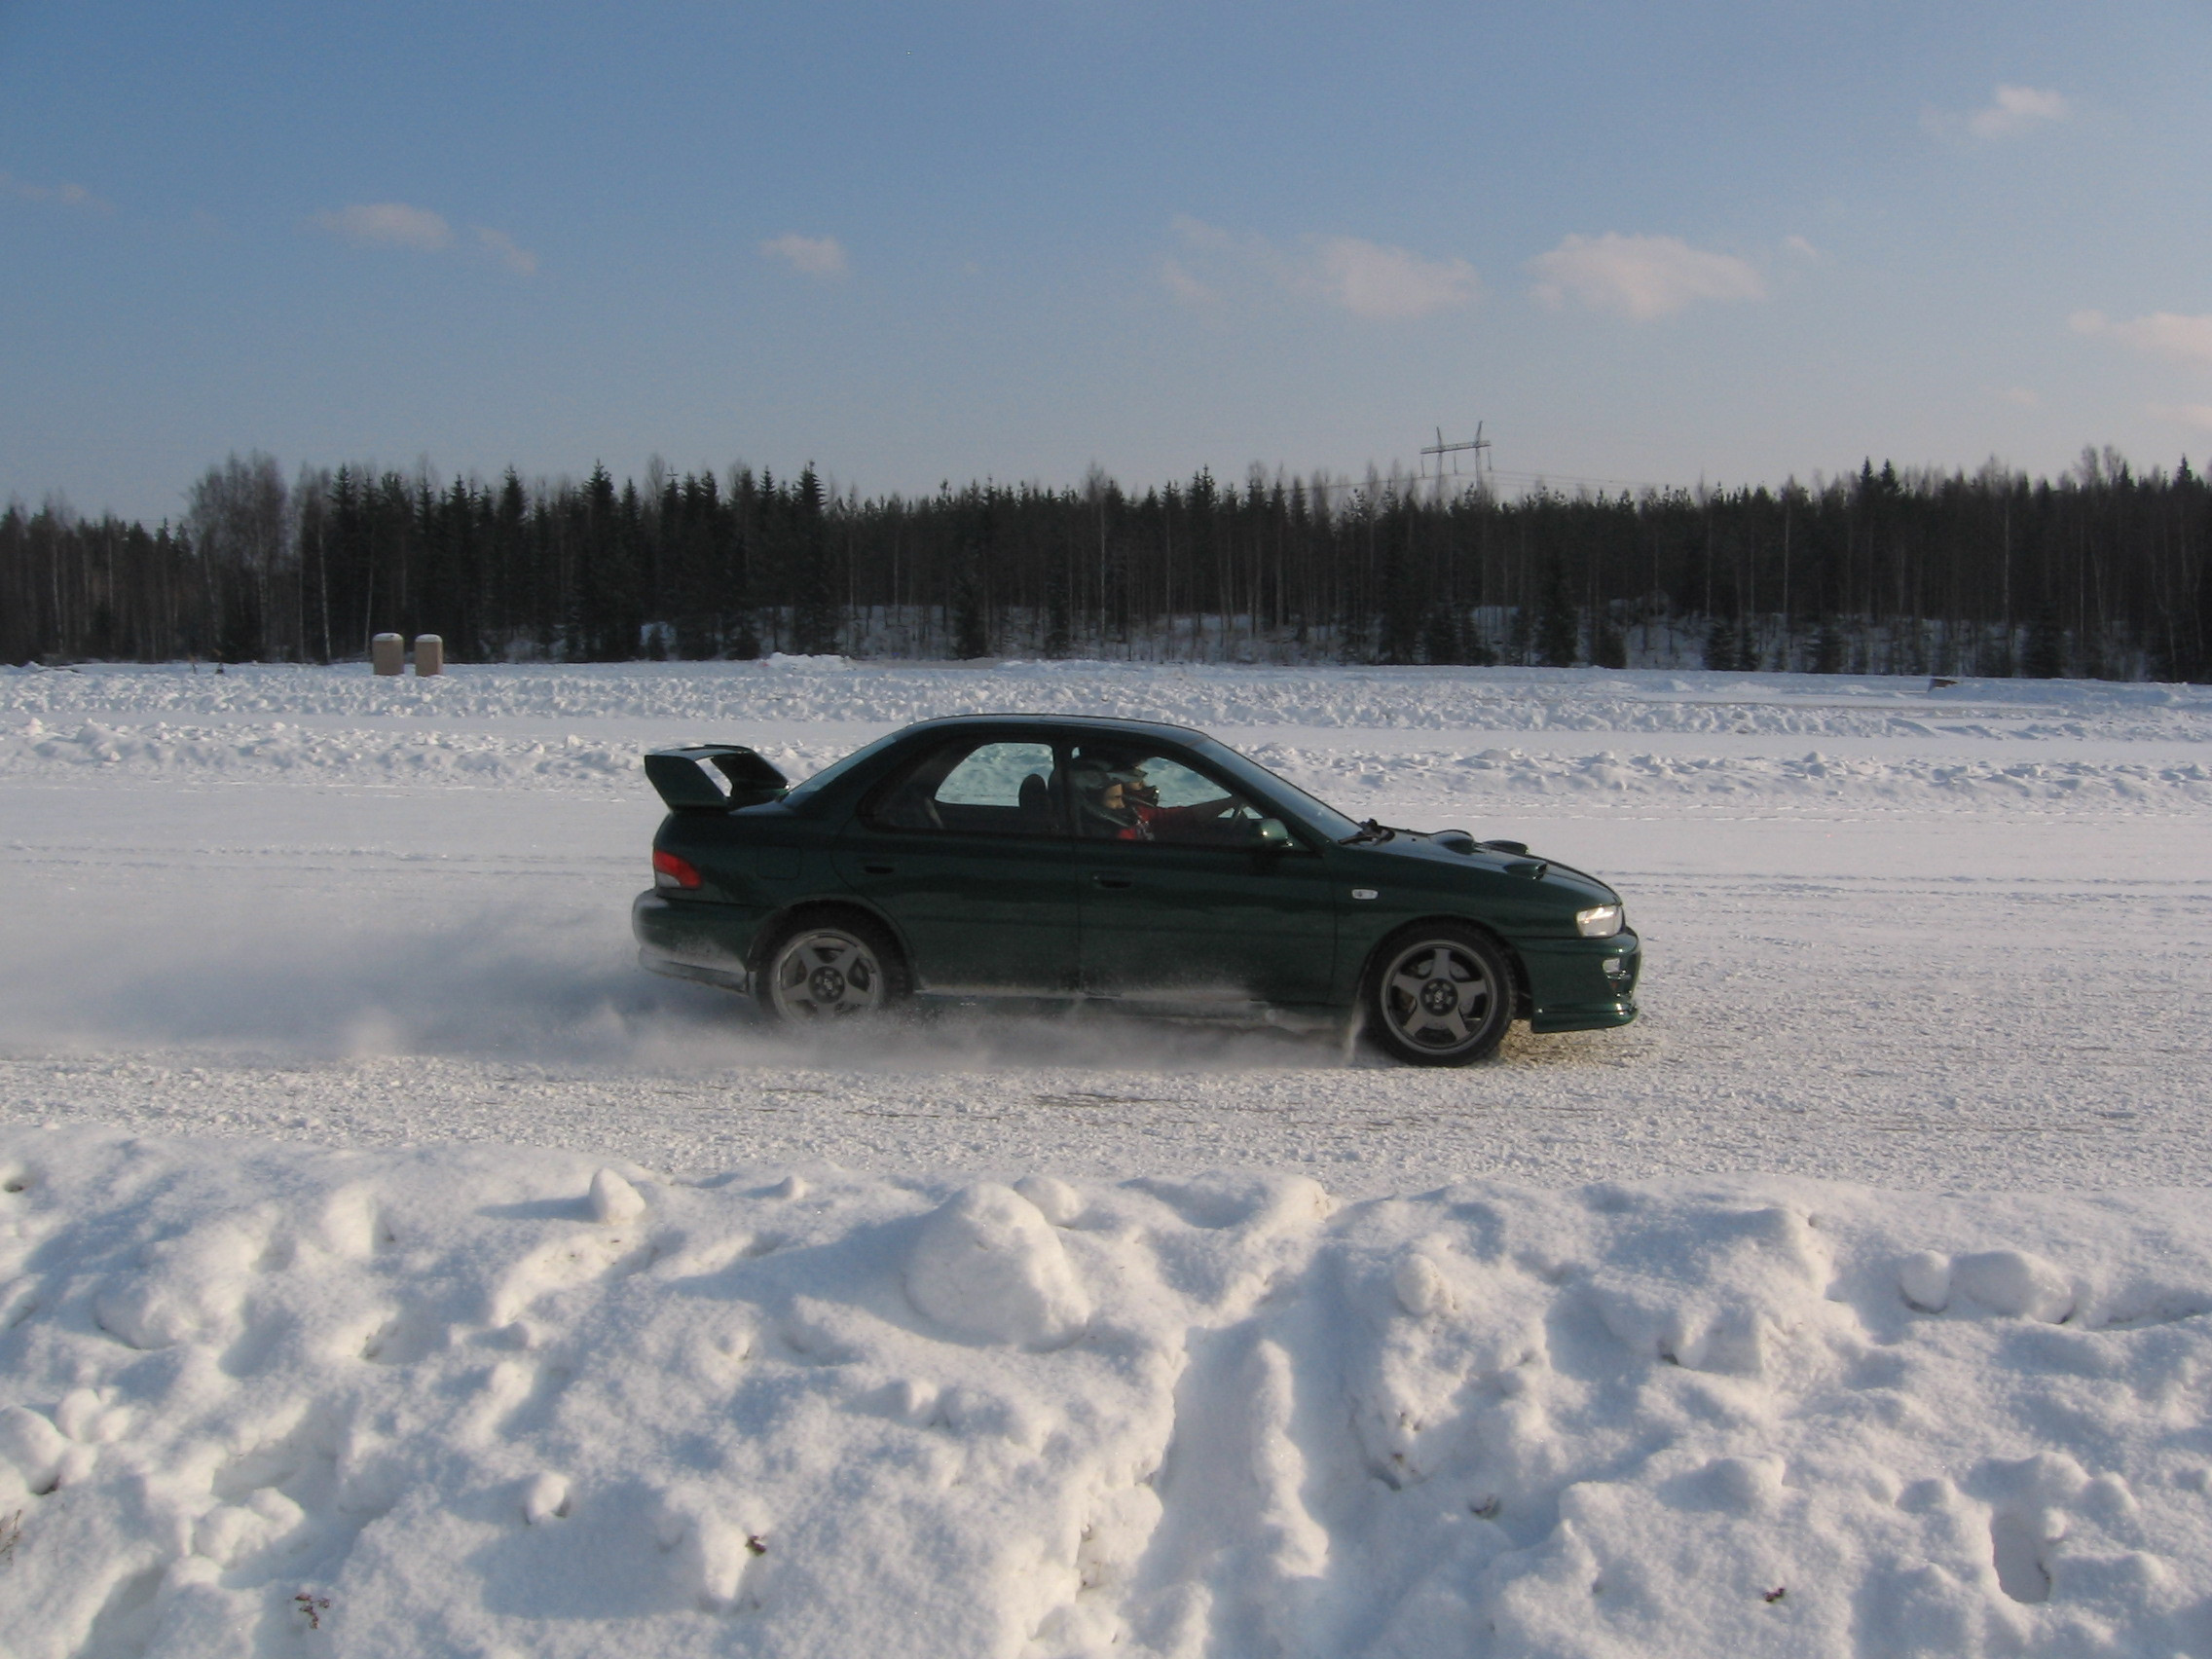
(388, 1266)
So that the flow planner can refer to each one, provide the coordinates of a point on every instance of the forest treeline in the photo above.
(2104, 571)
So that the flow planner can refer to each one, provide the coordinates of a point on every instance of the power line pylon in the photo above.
(1440, 448)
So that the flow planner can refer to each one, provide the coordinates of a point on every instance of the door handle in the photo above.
(879, 868)
(1116, 882)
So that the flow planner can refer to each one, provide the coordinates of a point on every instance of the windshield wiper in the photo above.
(1367, 832)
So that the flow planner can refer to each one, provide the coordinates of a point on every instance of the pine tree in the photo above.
(1056, 623)
(739, 550)
(1828, 648)
(515, 599)
(814, 617)
(1475, 647)
(1608, 649)
(2045, 655)
(590, 636)
(971, 628)
(1559, 625)
(1441, 639)
(1721, 649)
(1398, 601)
(1747, 650)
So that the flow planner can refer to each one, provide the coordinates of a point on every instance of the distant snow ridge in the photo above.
(893, 693)
(257, 1398)
(1709, 742)
(278, 749)
(1709, 780)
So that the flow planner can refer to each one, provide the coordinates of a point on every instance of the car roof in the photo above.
(1104, 726)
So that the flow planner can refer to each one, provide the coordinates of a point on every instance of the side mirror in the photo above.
(1274, 836)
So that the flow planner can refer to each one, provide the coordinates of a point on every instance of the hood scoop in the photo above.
(1463, 842)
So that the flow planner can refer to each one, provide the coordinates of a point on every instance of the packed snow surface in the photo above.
(387, 1266)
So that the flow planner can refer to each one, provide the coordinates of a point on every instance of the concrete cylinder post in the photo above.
(387, 653)
(429, 655)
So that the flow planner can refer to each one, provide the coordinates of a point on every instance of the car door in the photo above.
(1184, 904)
(967, 850)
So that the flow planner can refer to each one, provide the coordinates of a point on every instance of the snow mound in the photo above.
(988, 1265)
(454, 1400)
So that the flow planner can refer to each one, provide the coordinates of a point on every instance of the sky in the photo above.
(1655, 244)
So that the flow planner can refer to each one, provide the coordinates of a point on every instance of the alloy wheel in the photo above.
(825, 973)
(1441, 999)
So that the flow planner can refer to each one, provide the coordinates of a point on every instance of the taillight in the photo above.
(669, 870)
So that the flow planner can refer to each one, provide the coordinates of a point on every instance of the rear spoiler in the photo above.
(714, 777)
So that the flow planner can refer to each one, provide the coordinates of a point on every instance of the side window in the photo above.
(978, 789)
(1127, 796)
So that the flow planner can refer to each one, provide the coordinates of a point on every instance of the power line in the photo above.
(1572, 478)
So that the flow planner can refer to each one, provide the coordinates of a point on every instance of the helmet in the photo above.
(1091, 781)
(1096, 777)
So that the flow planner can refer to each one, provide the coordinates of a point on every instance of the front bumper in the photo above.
(1582, 984)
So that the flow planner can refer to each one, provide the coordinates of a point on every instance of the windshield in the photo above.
(1242, 768)
(836, 769)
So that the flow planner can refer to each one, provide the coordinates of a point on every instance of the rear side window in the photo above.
(989, 787)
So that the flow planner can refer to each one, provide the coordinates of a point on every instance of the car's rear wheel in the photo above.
(831, 970)
(1440, 994)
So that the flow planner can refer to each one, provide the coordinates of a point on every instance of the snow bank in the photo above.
(1685, 742)
(781, 690)
(280, 751)
(262, 1398)
(1688, 782)
(480, 761)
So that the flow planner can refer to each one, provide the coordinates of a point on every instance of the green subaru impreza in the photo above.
(1032, 856)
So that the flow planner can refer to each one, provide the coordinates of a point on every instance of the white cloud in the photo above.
(1803, 250)
(1185, 286)
(1369, 279)
(2188, 414)
(389, 224)
(504, 248)
(1373, 281)
(1199, 234)
(2161, 334)
(65, 194)
(2017, 109)
(1640, 276)
(812, 256)
(395, 224)
(2025, 397)
(2013, 111)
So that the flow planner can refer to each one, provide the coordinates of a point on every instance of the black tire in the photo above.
(833, 969)
(1438, 994)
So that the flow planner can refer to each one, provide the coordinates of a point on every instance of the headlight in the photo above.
(1601, 923)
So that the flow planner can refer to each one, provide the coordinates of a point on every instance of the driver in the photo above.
(1115, 802)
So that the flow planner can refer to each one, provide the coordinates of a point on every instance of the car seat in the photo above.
(1036, 803)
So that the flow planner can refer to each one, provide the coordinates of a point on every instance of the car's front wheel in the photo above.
(1440, 994)
(830, 971)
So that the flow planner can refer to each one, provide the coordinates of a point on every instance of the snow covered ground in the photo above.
(1588, 1350)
